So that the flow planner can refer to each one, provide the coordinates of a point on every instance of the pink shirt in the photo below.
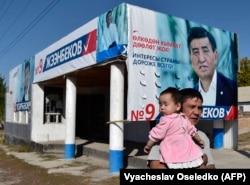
(175, 131)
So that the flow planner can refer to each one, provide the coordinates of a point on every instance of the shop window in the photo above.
(53, 105)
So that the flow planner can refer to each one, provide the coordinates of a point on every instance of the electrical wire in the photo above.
(29, 27)
(4, 12)
(16, 19)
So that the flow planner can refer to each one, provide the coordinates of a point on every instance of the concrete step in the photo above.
(133, 151)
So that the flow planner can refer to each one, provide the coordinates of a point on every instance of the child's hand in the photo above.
(201, 143)
(147, 149)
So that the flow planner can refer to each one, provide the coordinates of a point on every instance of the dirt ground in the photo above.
(243, 125)
(14, 171)
(19, 166)
(244, 133)
(244, 142)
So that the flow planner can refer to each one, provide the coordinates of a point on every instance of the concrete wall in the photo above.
(244, 106)
(230, 134)
(43, 132)
(9, 114)
(17, 133)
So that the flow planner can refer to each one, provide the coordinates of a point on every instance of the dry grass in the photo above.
(1, 137)
(244, 137)
(244, 141)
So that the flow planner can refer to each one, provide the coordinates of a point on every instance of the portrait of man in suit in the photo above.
(215, 87)
(110, 33)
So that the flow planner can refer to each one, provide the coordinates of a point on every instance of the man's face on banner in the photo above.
(203, 58)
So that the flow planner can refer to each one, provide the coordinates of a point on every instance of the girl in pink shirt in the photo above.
(176, 134)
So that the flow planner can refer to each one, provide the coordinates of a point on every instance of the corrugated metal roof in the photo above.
(244, 94)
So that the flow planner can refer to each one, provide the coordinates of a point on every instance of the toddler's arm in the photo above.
(149, 145)
(198, 140)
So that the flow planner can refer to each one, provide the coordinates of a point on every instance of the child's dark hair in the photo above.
(175, 93)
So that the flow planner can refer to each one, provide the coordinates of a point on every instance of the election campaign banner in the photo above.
(21, 78)
(112, 33)
(168, 51)
(72, 52)
(100, 40)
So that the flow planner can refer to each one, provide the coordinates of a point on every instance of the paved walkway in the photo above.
(136, 158)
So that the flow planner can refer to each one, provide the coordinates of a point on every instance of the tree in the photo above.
(244, 73)
(2, 98)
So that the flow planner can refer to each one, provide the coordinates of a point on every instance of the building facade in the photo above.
(98, 77)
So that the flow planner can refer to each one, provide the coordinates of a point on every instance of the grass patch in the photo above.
(244, 137)
(48, 157)
(24, 148)
(19, 148)
(2, 140)
(1, 137)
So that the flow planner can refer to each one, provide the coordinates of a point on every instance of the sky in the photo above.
(29, 26)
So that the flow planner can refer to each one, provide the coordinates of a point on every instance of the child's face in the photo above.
(167, 105)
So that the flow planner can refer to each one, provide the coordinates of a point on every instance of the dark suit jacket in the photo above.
(227, 91)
